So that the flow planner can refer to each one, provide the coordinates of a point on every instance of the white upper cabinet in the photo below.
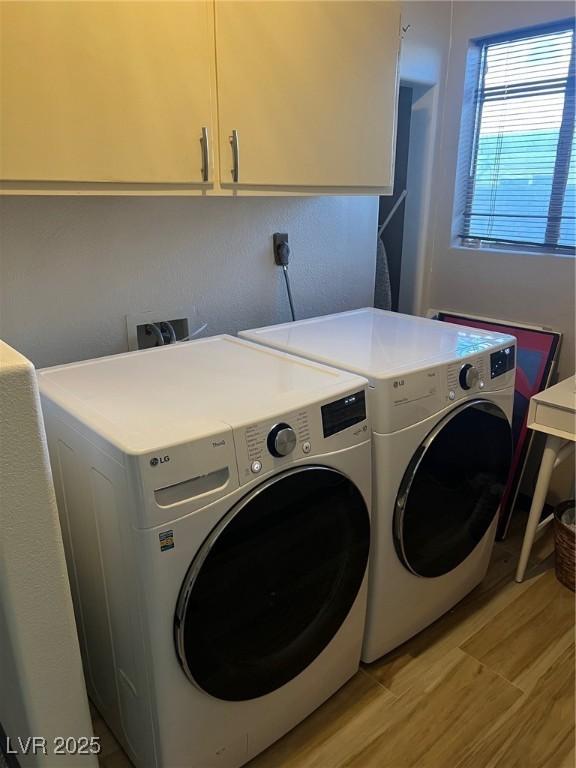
(310, 89)
(106, 91)
(197, 96)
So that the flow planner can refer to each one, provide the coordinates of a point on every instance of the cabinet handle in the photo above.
(205, 142)
(235, 156)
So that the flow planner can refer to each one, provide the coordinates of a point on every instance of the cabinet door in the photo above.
(105, 91)
(310, 89)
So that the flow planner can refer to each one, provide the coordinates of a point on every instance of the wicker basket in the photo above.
(565, 542)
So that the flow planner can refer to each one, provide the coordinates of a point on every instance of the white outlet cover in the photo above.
(157, 316)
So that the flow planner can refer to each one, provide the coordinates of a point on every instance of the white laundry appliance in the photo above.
(214, 497)
(441, 400)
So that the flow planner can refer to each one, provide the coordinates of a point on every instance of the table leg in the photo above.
(551, 450)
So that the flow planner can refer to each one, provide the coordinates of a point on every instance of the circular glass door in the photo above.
(273, 583)
(452, 489)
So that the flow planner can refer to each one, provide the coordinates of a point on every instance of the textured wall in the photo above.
(42, 689)
(72, 268)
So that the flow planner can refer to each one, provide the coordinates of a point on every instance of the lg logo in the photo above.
(159, 460)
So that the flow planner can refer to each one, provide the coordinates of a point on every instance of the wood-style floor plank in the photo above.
(336, 732)
(538, 732)
(489, 685)
(117, 759)
(524, 638)
(436, 727)
(107, 741)
(403, 669)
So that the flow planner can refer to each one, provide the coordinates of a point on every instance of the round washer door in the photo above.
(273, 583)
(452, 489)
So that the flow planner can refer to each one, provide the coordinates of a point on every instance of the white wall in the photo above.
(42, 690)
(514, 286)
(72, 268)
(423, 62)
(426, 40)
(508, 285)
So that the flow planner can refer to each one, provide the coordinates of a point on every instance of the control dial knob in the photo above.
(281, 440)
(469, 376)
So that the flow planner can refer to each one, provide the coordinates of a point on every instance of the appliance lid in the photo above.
(185, 391)
(376, 343)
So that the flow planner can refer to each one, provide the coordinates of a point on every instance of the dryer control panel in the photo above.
(486, 372)
(502, 361)
(410, 398)
(319, 429)
(465, 377)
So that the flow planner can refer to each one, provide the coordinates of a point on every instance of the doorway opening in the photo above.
(400, 264)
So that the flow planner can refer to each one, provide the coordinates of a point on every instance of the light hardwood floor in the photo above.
(489, 685)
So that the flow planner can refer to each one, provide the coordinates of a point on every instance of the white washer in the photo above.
(215, 502)
(441, 400)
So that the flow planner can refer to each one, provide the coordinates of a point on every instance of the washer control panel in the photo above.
(319, 429)
(278, 440)
(343, 413)
(281, 440)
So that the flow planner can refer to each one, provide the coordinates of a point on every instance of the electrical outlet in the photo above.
(281, 248)
(143, 330)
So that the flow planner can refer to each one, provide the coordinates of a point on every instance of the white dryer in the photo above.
(215, 499)
(441, 400)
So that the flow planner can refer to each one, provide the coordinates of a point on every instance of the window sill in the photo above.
(511, 251)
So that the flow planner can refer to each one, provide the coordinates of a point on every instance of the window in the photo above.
(519, 175)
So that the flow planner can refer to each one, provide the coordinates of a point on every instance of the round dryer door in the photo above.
(273, 583)
(452, 489)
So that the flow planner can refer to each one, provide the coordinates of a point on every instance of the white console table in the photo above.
(553, 412)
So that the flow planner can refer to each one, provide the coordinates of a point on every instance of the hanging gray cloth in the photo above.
(382, 288)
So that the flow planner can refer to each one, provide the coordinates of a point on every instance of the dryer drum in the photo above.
(273, 583)
(452, 489)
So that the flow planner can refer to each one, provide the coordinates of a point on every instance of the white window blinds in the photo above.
(521, 176)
